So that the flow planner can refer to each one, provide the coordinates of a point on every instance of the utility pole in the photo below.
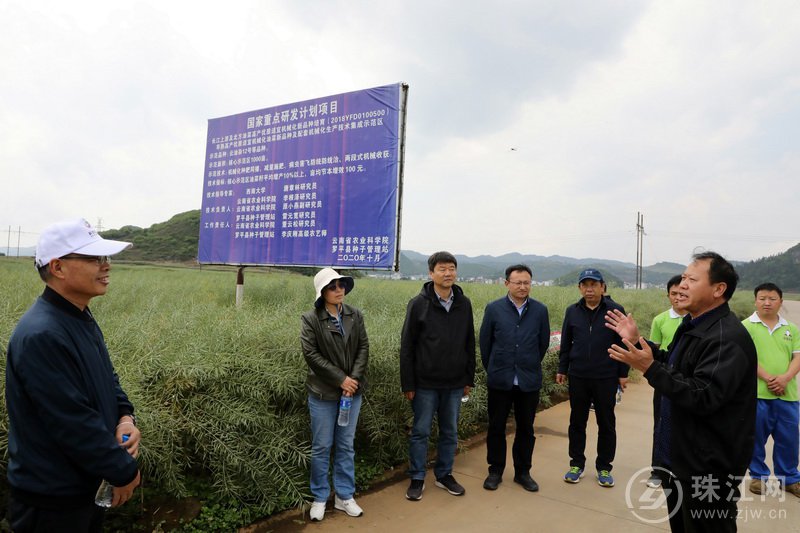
(19, 235)
(639, 249)
(8, 243)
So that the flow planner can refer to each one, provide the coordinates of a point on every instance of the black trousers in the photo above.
(499, 405)
(697, 510)
(84, 518)
(656, 418)
(582, 393)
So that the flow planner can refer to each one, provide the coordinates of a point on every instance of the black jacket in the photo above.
(514, 345)
(331, 357)
(585, 341)
(437, 347)
(64, 401)
(712, 389)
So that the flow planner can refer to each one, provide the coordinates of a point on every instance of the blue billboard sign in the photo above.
(313, 183)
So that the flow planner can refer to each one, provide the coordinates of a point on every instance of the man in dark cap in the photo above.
(593, 377)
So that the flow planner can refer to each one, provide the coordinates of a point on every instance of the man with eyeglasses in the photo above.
(514, 337)
(71, 426)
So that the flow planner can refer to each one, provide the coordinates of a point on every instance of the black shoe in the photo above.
(414, 492)
(492, 481)
(450, 484)
(527, 482)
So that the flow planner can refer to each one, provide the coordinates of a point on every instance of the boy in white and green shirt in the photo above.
(778, 413)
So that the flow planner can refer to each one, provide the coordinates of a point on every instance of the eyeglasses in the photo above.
(520, 283)
(335, 284)
(97, 259)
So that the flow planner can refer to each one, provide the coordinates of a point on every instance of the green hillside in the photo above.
(782, 269)
(176, 240)
(173, 240)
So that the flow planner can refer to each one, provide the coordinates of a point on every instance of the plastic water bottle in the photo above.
(105, 493)
(619, 394)
(344, 410)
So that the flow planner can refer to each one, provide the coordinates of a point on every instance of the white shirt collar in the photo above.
(674, 314)
(754, 318)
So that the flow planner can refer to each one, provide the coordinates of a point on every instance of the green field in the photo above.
(219, 391)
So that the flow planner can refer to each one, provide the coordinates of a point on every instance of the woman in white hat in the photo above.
(336, 349)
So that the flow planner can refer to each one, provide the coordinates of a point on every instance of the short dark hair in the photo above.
(441, 257)
(674, 280)
(518, 268)
(720, 271)
(768, 287)
(44, 272)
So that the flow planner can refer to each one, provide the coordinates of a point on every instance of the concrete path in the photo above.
(791, 311)
(558, 506)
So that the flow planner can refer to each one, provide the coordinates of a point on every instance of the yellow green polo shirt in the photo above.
(664, 327)
(775, 349)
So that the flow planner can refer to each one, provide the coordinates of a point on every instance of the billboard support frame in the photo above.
(402, 165)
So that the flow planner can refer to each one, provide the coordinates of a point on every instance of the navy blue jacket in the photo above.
(585, 341)
(437, 347)
(64, 401)
(514, 345)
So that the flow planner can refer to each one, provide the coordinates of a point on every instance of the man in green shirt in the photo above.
(666, 323)
(778, 413)
(661, 333)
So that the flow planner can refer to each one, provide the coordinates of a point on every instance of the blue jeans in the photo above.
(779, 419)
(445, 403)
(326, 434)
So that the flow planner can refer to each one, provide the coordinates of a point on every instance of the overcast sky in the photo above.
(533, 126)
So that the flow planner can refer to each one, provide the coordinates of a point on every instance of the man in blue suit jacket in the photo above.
(514, 337)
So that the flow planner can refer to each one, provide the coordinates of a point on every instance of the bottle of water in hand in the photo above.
(105, 493)
(344, 409)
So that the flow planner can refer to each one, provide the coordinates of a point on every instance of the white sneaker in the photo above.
(348, 506)
(317, 511)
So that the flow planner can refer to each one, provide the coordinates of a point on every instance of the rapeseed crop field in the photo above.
(219, 391)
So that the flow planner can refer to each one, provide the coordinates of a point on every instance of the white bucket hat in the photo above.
(325, 276)
(75, 236)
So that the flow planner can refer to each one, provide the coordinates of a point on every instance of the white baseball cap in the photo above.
(325, 276)
(73, 237)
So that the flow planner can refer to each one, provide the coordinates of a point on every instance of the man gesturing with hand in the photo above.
(707, 380)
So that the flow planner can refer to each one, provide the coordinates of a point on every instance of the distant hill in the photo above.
(176, 240)
(173, 240)
(552, 268)
(782, 270)
(571, 279)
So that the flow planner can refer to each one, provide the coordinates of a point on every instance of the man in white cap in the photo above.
(68, 415)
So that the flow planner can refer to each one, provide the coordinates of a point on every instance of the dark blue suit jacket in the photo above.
(514, 345)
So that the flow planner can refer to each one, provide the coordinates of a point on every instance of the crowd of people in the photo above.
(721, 387)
